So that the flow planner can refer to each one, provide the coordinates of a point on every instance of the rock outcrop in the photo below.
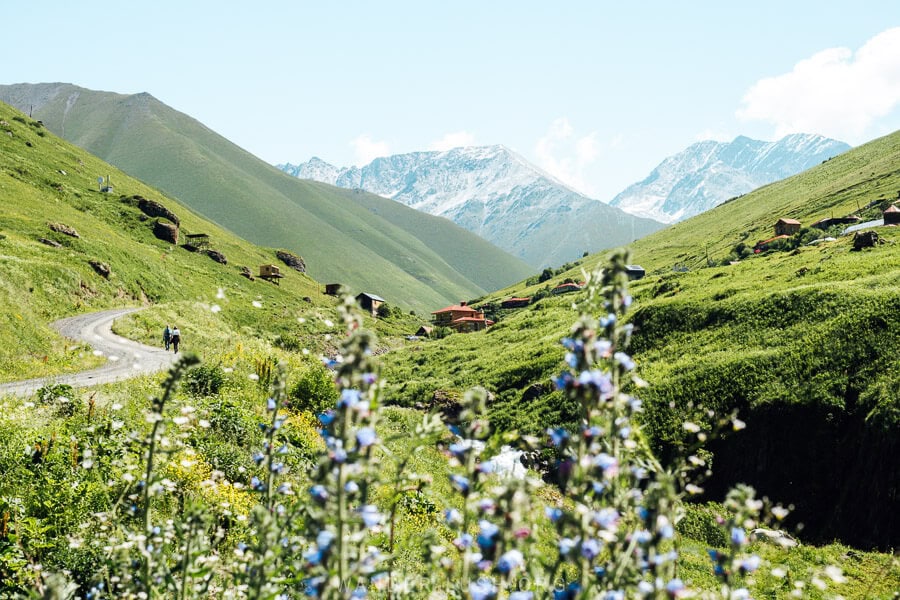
(167, 232)
(155, 209)
(292, 260)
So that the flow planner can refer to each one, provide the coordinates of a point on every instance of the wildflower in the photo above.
(319, 493)
(510, 561)
(365, 437)
(614, 595)
(675, 588)
(740, 594)
(349, 398)
(738, 536)
(326, 418)
(453, 517)
(553, 513)
(624, 360)
(558, 436)
(521, 596)
(256, 304)
(270, 404)
(487, 534)
(645, 587)
(460, 484)
(370, 515)
(749, 564)
(570, 592)
(482, 589)
(608, 464)
(563, 380)
(606, 518)
(590, 549)
(464, 541)
(566, 545)
(351, 487)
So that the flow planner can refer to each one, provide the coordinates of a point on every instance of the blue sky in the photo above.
(597, 93)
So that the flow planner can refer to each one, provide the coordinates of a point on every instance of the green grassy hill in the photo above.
(411, 259)
(803, 342)
(44, 181)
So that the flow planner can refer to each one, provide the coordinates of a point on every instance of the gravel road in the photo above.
(125, 358)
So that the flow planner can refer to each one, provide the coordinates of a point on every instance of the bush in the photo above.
(205, 380)
(60, 397)
(315, 390)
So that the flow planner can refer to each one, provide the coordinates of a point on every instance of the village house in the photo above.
(332, 289)
(424, 331)
(369, 302)
(461, 318)
(515, 302)
(785, 226)
(891, 215)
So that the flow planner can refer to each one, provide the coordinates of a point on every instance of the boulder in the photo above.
(51, 243)
(63, 228)
(167, 232)
(155, 209)
(101, 268)
(217, 256)
(246, 272)
(292, 260)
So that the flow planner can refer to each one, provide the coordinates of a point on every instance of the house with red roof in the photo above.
(460, 317)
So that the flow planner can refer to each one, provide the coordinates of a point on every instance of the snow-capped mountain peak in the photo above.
(708, 173)
(493, 192)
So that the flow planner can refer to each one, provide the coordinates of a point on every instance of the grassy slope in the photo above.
(390, 255)
(39, 283)
(804, 343)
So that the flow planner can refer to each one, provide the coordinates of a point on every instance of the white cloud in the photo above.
(834, 92)
(367, 149)
(456, 139)
(566, 155)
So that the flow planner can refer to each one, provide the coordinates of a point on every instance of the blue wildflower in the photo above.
(326, 418)
(553, 513)
(749, 564)
(482, 589)
(624, 360)
(558, 436)
(365, 437)
(521, 596)
(319, 493)
(566, 545)
(349, 398)
(675, 588)
(738, 536)
(460, 484)
(590, 548)
(510, 561)
(453, 517)
(570, 592)
(270, 404)
(351, 487)
(370, 515)
(487, 534)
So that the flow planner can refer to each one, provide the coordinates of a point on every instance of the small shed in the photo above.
(424, 331)
(785, 226)
(332, 289)
(369, 302)
(270, 273)
(892, 215)
(635, 271)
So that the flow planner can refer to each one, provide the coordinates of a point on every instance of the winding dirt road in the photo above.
(125, 358)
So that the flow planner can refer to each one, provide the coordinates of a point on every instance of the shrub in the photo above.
(205, 380)
(314, 391)
(61, 397)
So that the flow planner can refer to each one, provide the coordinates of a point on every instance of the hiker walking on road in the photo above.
(167, 337)
(176, 338)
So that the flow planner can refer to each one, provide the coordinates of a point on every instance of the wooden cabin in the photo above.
(635, 271)
(270, 273)
(891, 215)
(332, 289)
(369, 302)
(785, 226)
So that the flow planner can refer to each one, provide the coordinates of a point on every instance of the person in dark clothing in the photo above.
(176, 338)
(167, 337)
